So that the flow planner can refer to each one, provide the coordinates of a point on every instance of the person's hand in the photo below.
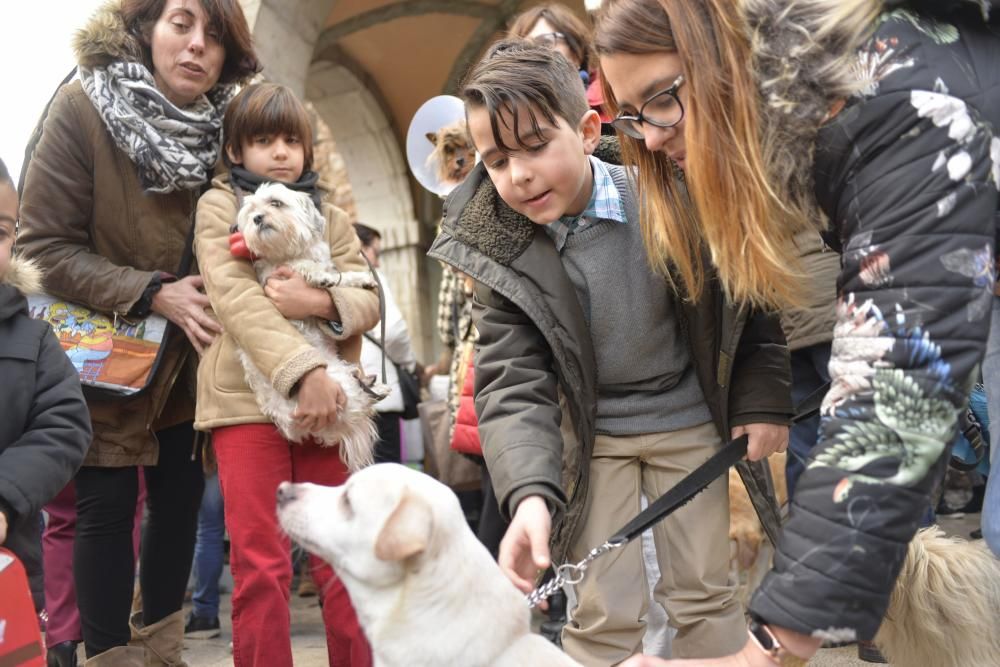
(524, 549)
(319, 399)
(765, 439)
(295, 298)
(183, 303)
(3, 528)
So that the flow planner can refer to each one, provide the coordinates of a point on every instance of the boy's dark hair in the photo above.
(522, 79)
(224, 17)
(266, 109)
(366, 234)
(4, 174)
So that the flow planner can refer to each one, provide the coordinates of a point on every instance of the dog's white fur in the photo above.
(945, 607)
(427, 593)
(283, 227)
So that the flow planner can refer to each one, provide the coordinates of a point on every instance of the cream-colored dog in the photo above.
(284, 227)
(427, 593)
(945, 607)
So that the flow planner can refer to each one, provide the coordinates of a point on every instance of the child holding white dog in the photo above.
(595, 382)
(268, 137)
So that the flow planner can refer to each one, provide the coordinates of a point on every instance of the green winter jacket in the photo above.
(535, 356)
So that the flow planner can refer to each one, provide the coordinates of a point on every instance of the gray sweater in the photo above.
(645, 379)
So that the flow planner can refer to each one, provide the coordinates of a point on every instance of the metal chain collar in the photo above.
(569, 573)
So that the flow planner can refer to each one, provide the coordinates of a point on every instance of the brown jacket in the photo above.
(253, 324)
(100, 239)
(813, 323)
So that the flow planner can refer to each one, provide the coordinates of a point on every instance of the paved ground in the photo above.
(309, 646)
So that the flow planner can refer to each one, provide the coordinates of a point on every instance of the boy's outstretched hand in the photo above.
(525, 546)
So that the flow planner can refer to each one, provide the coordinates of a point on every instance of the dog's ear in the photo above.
(432, 137)
(407, 531)
(311, 212)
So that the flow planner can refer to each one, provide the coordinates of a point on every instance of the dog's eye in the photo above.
(277, 203)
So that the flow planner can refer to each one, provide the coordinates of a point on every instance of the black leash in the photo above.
(696, 481)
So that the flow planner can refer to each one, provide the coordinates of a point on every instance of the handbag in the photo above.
(114, 356)
(409, 384)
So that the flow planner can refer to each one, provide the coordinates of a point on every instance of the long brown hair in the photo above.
(732, 210)
(751, 193)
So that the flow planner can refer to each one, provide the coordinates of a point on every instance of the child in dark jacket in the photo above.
(45, 431)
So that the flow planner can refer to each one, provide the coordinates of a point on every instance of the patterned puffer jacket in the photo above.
(907, 173)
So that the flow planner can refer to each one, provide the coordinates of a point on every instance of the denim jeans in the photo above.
(809, 372)
(209, 551)
(991, 380)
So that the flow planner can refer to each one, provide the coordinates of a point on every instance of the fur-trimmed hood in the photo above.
(24, 275)
(104, 39)
(25, 278)
(805, 55)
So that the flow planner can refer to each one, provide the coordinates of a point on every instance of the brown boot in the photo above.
(162, 641)
(119, 656)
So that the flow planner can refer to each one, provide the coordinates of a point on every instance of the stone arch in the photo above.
(378, 176)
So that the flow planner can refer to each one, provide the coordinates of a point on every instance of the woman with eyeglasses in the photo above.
(878, 116)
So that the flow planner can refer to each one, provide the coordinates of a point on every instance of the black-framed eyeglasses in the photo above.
(549, 39)
(663, 109)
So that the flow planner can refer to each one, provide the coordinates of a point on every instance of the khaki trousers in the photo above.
(692, 547)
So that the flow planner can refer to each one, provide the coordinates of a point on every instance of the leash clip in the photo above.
(571, 573)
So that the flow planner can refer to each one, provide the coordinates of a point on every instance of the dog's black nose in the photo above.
(460, 161)
(286, 493)
(258, 219)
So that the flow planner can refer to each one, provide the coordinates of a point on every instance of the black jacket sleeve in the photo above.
(910, 181)
(36, 466)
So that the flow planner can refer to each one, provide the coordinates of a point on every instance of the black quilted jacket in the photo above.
(908, 174)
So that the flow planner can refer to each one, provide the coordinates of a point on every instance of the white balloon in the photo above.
(434, 114)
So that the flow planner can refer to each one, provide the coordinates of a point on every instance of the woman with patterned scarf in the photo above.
(107, 207)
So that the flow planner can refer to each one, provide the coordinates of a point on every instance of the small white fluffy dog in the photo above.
(945, 607)
(284, 227)
(427, 593)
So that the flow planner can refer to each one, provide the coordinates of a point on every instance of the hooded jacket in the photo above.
(45, 430)
(100, 239)
(907, 173)
(537, 422)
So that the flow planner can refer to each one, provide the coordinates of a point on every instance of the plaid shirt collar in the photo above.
(605, 204)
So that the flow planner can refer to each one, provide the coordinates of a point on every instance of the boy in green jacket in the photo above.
(595, 383)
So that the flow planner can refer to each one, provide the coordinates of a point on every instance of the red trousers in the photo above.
(253, 460)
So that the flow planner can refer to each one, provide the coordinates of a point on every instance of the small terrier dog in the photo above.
(283, 227)
(454, 156)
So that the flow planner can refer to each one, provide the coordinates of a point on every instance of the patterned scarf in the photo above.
(173, 148)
